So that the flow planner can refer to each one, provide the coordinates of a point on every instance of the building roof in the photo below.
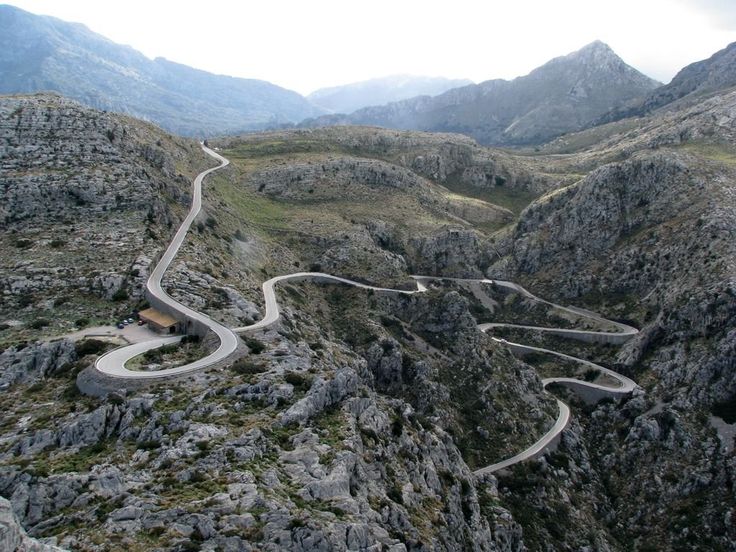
(158, 318)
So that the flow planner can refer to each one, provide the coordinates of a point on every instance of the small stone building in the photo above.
(159, 321)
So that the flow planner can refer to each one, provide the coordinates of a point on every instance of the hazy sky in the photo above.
(307, 44)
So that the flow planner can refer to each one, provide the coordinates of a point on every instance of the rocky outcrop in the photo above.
(28, 363)
(651, 239)
(87, 429)
(455, 252)
(13, 537)
(321, 396)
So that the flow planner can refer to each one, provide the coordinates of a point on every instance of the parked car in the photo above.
(120, 326)
(141, 322)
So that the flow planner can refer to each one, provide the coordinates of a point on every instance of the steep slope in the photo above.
(651, 239)
(566, 94)
(46, 54)
(718, 72)
(85, 199)
(715, 73)
(350, 97)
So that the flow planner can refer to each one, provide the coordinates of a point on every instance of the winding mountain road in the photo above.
(113, 363)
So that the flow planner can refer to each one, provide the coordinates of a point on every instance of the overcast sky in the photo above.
(308, 44)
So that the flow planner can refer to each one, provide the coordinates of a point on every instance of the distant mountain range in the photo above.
(354, 96)
(566, 94)
(39, 53)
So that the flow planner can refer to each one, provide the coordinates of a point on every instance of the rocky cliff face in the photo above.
(650, 239)
(12, 535)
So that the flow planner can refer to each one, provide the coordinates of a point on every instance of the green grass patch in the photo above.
(513, 199)
(721, 153)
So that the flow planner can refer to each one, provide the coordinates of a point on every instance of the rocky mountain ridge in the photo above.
(695, 80)
(85, 198)
(566, 94)
(41, 54)
(650, 239)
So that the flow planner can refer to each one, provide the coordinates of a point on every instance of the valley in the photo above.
(252, 230)
(336, 336)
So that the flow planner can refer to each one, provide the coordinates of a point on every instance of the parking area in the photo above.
(132, 333)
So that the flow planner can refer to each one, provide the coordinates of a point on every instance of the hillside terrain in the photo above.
(648, 236)
(564, 95)
(357, 421)
(350, 97)
(86, 198)
(41, 54)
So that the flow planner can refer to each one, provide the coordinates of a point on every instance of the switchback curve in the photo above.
(113, 363)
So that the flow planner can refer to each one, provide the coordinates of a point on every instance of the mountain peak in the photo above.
(596, 50)
(596, 46)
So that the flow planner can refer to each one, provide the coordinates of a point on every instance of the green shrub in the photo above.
(198, 476)
(591, 374)
(300, 381)
(394, 493)
(296, 522)
(256, 347)
(39, 323)
(120, 295)
(89, 347)
(246, 366)
(725, 410)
